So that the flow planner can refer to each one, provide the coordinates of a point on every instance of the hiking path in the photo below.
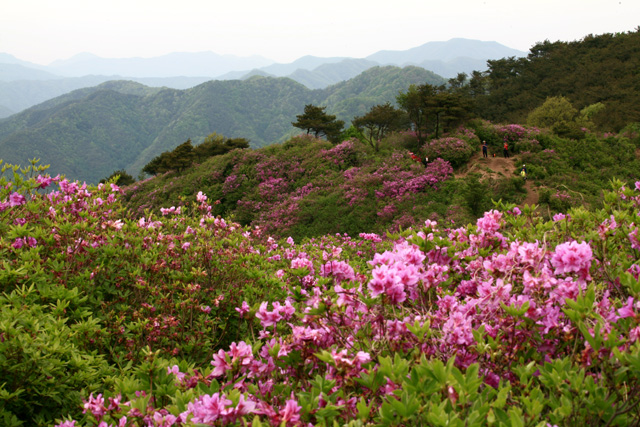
(494, 167)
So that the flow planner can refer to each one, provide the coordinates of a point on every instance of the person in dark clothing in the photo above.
(485, 149)
(506, 150)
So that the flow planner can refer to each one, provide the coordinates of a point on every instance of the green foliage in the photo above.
(378, 122)
(184, 155)
(476, 195)
(595, 69)
(216, 145)
(316, 121)
(557, 114)
(47, 362)
(89, 133)
(434, 110)
(119, 177)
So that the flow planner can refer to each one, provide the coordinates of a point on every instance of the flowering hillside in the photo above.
(185, 318)
(310, 187)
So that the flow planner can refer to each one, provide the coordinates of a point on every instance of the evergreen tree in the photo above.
(124, 178)
(380, 120)
(316, 121)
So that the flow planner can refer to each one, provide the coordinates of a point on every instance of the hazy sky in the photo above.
(41, 31)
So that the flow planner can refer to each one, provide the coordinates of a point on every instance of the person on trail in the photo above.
(506, 150)
(425, 161)
(485, 149)
(523, 172)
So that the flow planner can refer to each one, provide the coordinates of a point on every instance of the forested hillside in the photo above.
(91, 132)
(598, 68)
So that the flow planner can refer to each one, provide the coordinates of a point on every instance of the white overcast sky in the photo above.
(42, 31)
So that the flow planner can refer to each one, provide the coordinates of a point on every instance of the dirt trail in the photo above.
(488, 167)
(494, 167)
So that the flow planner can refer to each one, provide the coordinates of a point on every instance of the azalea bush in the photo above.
(185, 318)
(514, 320)
(87, 289)
(307, 187)
(455, 150)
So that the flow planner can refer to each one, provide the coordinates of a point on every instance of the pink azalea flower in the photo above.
(572, 257)
(268, 318)
(95, 405)
(339, 270)
(243, 309)
(220, 364)
(18, 243)
(207, 409)
(16, 199)
(627, 309)
(490, 222)
(43, 181)
(175, 370)
(291, 412)
(559, 217)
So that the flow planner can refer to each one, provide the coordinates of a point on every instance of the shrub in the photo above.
(452, 149)
(511, 320)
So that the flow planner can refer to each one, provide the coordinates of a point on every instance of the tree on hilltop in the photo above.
(123, 179)
(179, 159)
(216, 145)
(435, 109)
(316, 121)
(380, 120)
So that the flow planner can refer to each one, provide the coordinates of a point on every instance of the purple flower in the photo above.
(16, 199)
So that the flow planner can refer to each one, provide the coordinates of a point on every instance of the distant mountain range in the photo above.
(89, 133)
(24, 84)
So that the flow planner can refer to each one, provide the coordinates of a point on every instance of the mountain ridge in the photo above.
(182, 70)
(88, 133)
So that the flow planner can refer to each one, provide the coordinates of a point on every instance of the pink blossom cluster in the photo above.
(232, 183)
(341, 154)
(273, 188)
(29, 242)
(441, 292)
(513, 132)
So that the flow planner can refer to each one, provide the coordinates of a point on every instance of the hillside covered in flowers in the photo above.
(182, 317)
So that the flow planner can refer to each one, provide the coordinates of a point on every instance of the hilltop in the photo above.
(308, 187)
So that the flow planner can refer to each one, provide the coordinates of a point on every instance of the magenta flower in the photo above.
(490, 222)
(243, 309)
(175, 370)
(572, 257)
(43, 181)
(627, 309)
(95, 405)
(291, 412)
(301, 262)
(559, 217)
(207, 409)
(268, 318)
(339, 270)
(220, 364)
(18, 243)
(16, 199)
